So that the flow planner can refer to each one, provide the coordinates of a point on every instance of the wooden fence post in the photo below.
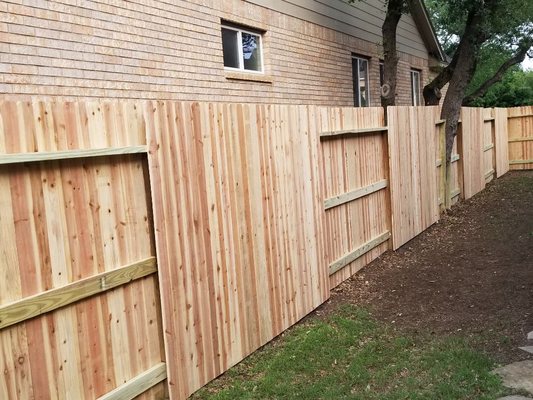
(444, 176)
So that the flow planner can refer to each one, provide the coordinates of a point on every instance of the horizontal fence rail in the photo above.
(53, 299)
(69, 154)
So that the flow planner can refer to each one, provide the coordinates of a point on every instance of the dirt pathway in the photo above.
(470, 274)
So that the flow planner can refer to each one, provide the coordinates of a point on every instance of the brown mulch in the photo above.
(471, 274)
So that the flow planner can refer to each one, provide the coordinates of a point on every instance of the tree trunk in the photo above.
(458, 74)
(390, 60)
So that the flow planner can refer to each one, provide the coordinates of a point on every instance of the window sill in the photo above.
(243, 76)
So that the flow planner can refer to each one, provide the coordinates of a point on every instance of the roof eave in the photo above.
(423, 21)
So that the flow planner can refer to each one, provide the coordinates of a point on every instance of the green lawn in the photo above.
(350, 356)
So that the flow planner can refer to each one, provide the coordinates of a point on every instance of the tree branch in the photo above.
(517, 58)
(472, 38)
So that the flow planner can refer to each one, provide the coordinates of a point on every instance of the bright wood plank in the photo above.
(138, 385)
(17, 158)
(355, 194)
(32, 306)
(360, 251)
(524, 139)
(413, 141)
(520, 162)
(354, 131)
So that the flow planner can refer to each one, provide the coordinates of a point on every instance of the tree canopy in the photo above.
(505, 35)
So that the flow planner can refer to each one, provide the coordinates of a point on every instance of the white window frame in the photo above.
(416, 73)
(359, 58)
(241, 68)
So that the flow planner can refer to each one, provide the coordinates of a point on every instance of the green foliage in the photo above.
(350, 356)
(516, 89)
(504, 22)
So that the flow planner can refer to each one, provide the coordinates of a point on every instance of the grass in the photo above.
(351, 356)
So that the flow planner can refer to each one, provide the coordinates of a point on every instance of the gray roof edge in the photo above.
(421, 17)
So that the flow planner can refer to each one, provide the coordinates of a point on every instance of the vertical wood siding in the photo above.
(238, 220)
(413, 139)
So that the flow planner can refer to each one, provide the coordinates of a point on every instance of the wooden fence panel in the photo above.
(472, 150)
(413, 137)
(489, 139)
(501, 141)
(520, 125)
(63, 223)
(238, 219)
(455, 184)
(355, 186)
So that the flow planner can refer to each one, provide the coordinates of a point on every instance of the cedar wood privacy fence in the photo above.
(147, 247)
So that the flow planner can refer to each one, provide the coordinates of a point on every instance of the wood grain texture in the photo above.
(358, 131)
(474, 135)
(489, 139)
(355, 194)
(238, 213)
(357, 253)
(348, 164)
(52, 299)
(501, 141)
(138, 385)
(18, 158)
(520, 129)
(413, 145)
(65, 221)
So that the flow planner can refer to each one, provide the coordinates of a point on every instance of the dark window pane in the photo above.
(415, 88)
(251, 52)
(230, 49)
(363, 82)
(355, 78)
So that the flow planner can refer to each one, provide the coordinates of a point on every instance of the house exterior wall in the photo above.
(162, 49)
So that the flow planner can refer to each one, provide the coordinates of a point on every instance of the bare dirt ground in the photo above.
(471, 274)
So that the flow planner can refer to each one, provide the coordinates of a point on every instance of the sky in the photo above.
(528, 63)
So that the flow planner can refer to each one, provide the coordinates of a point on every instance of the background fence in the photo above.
(521, 137)
(253, 212)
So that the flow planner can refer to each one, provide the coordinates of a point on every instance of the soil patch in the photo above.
(471, 274)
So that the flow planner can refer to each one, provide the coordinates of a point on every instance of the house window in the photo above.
(242, 49)
(415, 88)
(381, 73)
(361, 86)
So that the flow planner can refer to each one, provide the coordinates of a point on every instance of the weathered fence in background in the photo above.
(253, 212)
(520, 137)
